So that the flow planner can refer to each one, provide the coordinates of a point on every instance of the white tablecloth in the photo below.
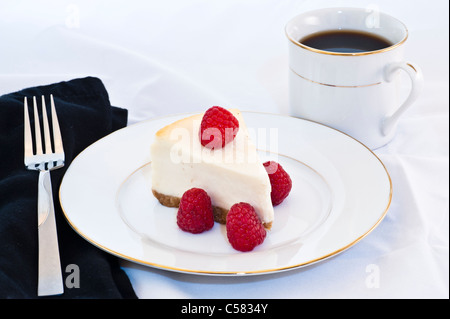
(163, 57)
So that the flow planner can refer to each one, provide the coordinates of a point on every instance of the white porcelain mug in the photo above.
(357, 93)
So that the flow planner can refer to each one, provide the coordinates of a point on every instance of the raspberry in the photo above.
(195, 214)
(218, 127)
(280, 181)
(244, 229)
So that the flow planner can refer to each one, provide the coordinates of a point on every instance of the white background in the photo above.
(162, 57)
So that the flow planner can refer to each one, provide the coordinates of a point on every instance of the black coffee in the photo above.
(345, 41)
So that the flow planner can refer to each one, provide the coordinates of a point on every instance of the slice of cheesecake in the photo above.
(229, 175)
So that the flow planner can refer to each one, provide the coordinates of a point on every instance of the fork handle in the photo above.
(50, 281)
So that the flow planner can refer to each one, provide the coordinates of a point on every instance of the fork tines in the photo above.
(45, 155)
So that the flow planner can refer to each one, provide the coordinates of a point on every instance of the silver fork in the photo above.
(44, 159)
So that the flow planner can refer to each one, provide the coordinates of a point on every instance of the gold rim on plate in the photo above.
(204, 272)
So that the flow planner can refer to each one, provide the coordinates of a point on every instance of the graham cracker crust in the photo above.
(166, 200)
(220, 214)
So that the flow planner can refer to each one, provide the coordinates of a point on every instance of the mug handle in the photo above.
(416, 76)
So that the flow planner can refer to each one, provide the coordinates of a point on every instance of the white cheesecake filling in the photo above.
(229, 175)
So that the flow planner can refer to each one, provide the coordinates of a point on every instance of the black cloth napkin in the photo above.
(85, 115)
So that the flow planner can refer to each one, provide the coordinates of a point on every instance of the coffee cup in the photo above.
(344, 66)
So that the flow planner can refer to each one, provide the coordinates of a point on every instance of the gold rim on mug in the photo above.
(395, 45)
(333, 85)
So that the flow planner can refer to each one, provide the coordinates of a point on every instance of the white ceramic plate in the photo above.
(341, 191)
